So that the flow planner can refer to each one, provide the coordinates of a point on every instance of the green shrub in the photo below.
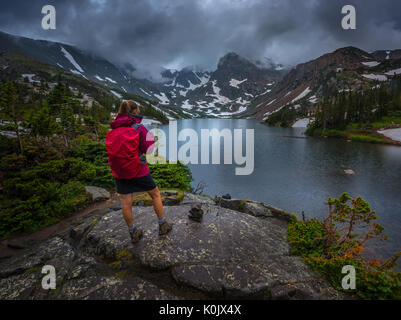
(47, 205)
(7, 145)
(339, 240)
(380, 284)
(12, 162)
(40, 188)
(177, 176)
(94, 152)
(72, 197)
(331, 267)
(307, 238)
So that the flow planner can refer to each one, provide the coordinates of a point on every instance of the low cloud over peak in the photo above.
(156, 34)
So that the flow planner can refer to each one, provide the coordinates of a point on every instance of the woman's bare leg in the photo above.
(127, 208)
(157, 202)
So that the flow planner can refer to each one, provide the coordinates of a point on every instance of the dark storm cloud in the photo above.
(176, 33)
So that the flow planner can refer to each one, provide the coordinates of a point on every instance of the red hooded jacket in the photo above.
(146, 139)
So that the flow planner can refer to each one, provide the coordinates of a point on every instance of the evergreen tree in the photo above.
(92, 125)
(10, 111)
(41, 123)
(68, 124)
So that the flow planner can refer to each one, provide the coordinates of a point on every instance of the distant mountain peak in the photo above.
(348, 50)
(232, 58)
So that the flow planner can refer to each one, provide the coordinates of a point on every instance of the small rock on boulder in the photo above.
(196, 213)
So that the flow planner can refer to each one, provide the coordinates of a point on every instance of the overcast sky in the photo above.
(179, 33)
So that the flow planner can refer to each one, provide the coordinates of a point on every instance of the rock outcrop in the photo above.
(228, 254)
(97, 193)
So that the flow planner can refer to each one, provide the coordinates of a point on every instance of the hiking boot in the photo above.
(165, 228)
(136, 235)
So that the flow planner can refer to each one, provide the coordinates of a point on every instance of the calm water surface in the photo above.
(298, 174)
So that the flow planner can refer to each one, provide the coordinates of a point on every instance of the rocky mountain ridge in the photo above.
(227, 91)
(224, 92)
(237, 88)
(345, 69)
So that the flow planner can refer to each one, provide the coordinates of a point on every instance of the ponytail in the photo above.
(127, 106)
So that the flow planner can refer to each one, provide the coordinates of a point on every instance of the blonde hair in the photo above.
(128, 106)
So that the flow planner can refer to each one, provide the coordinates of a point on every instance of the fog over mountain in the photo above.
(155, 34)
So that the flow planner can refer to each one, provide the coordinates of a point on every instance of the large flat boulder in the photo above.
(229, 253)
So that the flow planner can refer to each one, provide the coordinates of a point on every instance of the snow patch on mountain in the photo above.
(371, 63)
(240, 110)
(271, 102)
(145, 92)
(393, 72)
(267, 114)
(30, 77)
(241, 101)
(219, 98)
(162, 98)
(78, 73)
(99, 78)
(235, 83)
(302, 95)
(313, 99)
(110, 80)
(378, 77)
(302, 123)
(187, 105)
(119, 96)
(263, 93)
(71, 59)
(203, 80)
(164, 112)
(194, 86)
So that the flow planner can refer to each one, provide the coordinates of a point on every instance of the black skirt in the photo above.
(127, 186)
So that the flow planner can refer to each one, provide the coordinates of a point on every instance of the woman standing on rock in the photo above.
(126, 144)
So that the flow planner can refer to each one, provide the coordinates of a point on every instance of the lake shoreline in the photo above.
(372, 137)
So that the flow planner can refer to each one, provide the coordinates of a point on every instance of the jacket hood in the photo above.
(124, 120)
